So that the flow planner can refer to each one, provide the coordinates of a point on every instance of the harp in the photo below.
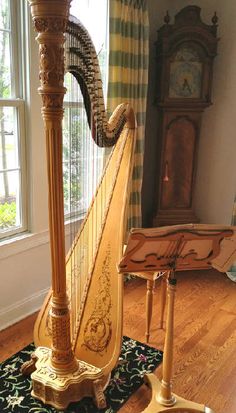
(78, 331)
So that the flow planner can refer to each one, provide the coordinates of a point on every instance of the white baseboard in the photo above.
(21, 309)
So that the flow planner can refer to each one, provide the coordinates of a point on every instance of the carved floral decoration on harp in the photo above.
(97, 333)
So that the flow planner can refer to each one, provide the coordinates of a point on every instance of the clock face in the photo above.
(185, 74)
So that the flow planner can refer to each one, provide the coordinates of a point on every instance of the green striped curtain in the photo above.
(128, 79)
(232, 272)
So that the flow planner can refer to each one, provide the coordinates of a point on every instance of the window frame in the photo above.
(19, 64)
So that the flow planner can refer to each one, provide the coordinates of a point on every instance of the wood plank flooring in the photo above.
(205, 338)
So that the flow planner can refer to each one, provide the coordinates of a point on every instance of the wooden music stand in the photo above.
(176, 248)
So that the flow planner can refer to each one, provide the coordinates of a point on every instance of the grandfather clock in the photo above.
(185, 54)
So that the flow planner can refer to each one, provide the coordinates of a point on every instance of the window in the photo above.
(78, 155)
(79, 151)
(12, 173)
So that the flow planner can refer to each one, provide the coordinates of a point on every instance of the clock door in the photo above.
(177, 168)
(178, 165)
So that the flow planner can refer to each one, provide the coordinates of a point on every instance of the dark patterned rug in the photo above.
(136, 359)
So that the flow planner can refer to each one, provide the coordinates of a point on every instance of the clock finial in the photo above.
(214, 19)
(167, 18)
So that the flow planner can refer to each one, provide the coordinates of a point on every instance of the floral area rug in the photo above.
(136, 359)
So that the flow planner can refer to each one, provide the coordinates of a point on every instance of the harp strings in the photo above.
(82, 64)
(82, 170)
(88, 238)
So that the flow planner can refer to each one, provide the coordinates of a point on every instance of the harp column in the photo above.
(57, 378)
(50, 20)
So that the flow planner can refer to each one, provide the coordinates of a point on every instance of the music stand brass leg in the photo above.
(163, 296)
(163, 400)
(149, 303)
(180, 406)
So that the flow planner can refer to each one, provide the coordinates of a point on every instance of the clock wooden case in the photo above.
(185, 54)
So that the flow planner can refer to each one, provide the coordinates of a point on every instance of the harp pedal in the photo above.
(29, 366)
(60, 389)
(99, 397)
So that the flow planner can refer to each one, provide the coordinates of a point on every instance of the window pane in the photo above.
(10, 212)
(73, 93)
(9, 157)
(74, 135)
(71, 161)
(82, 159)
(12, 200)
(5, 65)
(4, 15)
(90, 12)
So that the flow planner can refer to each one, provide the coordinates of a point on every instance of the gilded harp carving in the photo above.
(79, 327)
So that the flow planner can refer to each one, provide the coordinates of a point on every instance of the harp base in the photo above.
(58, 389)
(176, 404)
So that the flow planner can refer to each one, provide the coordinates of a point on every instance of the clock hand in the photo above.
(186, 85)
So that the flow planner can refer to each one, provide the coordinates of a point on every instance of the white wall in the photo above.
(216, 180)
(216, 172)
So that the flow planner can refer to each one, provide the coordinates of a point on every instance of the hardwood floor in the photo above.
(205, 338)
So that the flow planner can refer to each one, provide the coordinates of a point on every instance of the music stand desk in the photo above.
(171, 249)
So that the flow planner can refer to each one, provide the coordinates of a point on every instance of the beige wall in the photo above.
(216, 172)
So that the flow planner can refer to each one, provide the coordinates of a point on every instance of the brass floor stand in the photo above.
(170, 249)
(163, 400)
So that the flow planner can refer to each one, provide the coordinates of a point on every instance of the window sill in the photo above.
(21, 243)
(26, 241)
